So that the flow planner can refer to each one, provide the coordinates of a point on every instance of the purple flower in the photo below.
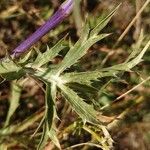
(63, 11)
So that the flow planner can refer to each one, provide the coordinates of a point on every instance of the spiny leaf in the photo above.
(86, 77)
(47, 56)
(44, 137)
(136, 48)
(8, 66)
(53, 136)
(103, 22)
(138, 59)
(85, 33)
(48, 131)
(78, 51)
(14, 101)
(49, 106)
(25, 59)
(126, 66)
(84, 110)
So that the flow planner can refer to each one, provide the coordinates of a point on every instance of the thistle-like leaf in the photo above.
(25, 59)
(47, 56)
(46, 134)
(138, 58)
(85, 33)
(49, 106)
(44, 137)
(103, 22)
(126, 66)
(78, 51)
(84, 110)
(8, 66)
(48, 131)
(86, 77)
(53, 136)
(136, 48)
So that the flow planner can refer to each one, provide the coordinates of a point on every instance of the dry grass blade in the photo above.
(132, 22)
(123, 95)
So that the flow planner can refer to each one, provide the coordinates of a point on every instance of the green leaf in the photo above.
(49, 106)
(25, 59)
(47, 56)
(84, 34)
(85, 77)
(138, 59)
(84, 110)
(44, 137)
(48, 129)
(53, 136)
(126, 66)
(103, 22)
(9, 70)
(14, 100)
(78, 51)
(136, 48)
(8, 66)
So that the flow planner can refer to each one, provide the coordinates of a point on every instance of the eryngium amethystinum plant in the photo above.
(60, 78)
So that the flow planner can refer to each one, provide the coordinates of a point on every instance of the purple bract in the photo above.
(63, 11)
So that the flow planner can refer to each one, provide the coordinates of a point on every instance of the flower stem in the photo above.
(63, 11)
